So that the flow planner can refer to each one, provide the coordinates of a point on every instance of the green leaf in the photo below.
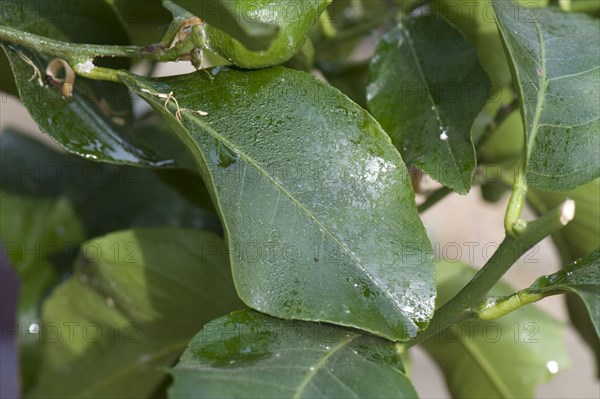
(558, 77)
(426, 87)
(580, 237)
(503, 358)
(96, 136)
(580, 317)
(134, 302)
(35, 233)
(295, 20)
(582, 278)
(90, 124)
(38, 232)
(51, 202)
(317, 204)
(251, 355)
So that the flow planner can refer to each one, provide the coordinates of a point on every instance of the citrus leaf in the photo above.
(426, 87)
(582, 278)
(580, 237)
(502, 358)
(317, 204)
(555, 64)
(251, 355)
(51, 202)
(135, 300)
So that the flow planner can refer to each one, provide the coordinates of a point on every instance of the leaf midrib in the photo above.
(215, 134)
(543, 86)
(315, 369)
(283, 190)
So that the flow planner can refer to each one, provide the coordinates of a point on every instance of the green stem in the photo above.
(510, 250)
(494, 308)
(80, 56)
(83, 67)
(433, 199)
(67, 50)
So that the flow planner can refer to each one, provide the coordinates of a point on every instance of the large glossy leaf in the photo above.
(556, 64)
(91, 124)
(582, 278)
(250, 355)
(503, 358)
(317, 203)
(426, 87)
(294, 20)
(134, 302)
